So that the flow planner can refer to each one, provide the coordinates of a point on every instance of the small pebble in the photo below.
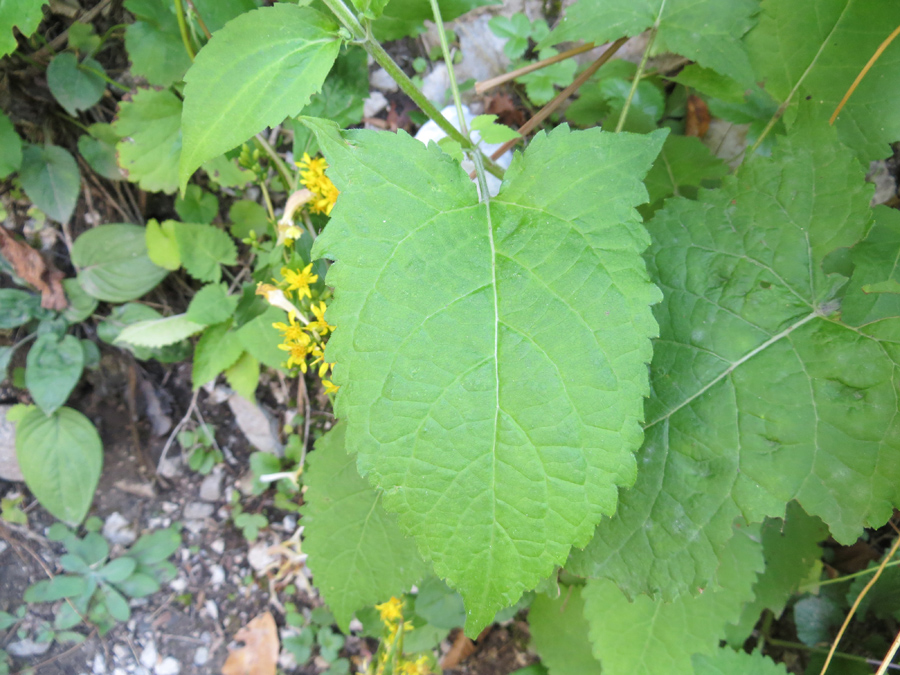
(198, 511)
(168, 666)
(380, 79)
(117, 531)
(201, 656)
(218, 546)
(149, 655)
(99, 665)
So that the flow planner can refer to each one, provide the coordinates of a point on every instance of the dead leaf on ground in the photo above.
(697, 120)
(31, 266)
(505, 109)
(461, 649)
(259, 655)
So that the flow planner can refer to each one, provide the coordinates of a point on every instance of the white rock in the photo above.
(201, 656)
(218, 546)
(380, 79)
(355, 625)
(168, 666)
(259, 427)
(3, 546)
(198, 511)
(99, 665)
(211, 487)
(149, 655)
(9, 465)
(289, 524)
(178, 585)
(374, 104)
(436, 83)
(27, 647)
(121, 652)
(169, 467)
(212, 609)
(117, 531)
(259, 557)
(216, 576)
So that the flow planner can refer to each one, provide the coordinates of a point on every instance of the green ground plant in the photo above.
(635, 389)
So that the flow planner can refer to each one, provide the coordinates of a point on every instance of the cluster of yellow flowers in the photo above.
(313, 178)
(304, 338)
(391, 613)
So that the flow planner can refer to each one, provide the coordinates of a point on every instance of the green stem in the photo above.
(287, 177)
(837, 580)
(821, 650)
(183, 29)
(383, 59)
(638, 75)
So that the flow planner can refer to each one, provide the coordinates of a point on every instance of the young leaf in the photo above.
(25, 15)
(559, 633)
(516, 29)
(162, 246)
(98, 148)
(729, 662)
(647, 636)
(10, 147)
(819, 48)
(154, 43)
(197, 206)
(52, 369)
(203, 249)
(217, 350)
(17, 307)
(76, 86)
(113, 264)
(49, 176)
(159, 332)
(717, 45)
(245, 216)
(525, 430)
(760, 394)
(60, 457)
(127, 314)
(57, 588)
(212, 305)
(356, 551)
(492, 132)
(257, 70)
(150, 125)
(243, 376)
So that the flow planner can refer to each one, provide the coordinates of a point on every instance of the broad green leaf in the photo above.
(76, 86)
(159, 332)
(162, 246)
(138, 585)
(49, 176)
(60, 457)
(149, 124)
(261, 340)
(439, 605)
(683, 165)
(212, 305)
(819, 47)
(706, 31)
(492, 132)
(117, 570)
(197, 206)
(98, 147)
(218, 349)
(559, 633)
(340, 99)
(154, 44)
(247, 216)
(83, 39)
(458, 380)
(10, 147)
(257, 70)
(52, 369)
(25, 15)
(875, 267)
(760, 394)
(516, 29)
(791, 549)
(17, 307)
(647, 636)
(113, 264)
(646, 109)
(357, 553)
(57, 588)
(729, 662)
(406, 18)
(814, 618)
(216, 13)
(225, 172)
(204, 249)
(130, 313)
(243, 376)
(155, 547)
(116, 604)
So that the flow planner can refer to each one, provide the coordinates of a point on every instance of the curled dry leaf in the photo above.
(696, 122)
(259, 655)
(461, 649)
(31, 266)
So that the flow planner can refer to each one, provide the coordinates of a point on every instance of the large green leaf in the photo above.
(729, 662)
(76, 86)
(61, 457)
(22, 14)
(498, 436)
(819, 47)
(50, 178)
(217, 350)
(17, 307)
(706, 31)
(113, 264)
(52, 369)
(257, 70)
(760, 394)
(159, 332)
(154, 43)
(559, 633)
(356, 551)
(216, 13)
(203, 249)
(10, 147)
(150, 126)
(647, 636)
(402, 18)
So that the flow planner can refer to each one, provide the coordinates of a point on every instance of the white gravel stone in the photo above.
(381, 80)
(99, 665)
(117, 531)
(201, 656)
(149, 655)
(9, 465)
(24, 648)
(218, 546)
(216, 576)
(178, 585)
(168, 666)
(374, 104)
(211, 487)
(3, 546)
(198, 511)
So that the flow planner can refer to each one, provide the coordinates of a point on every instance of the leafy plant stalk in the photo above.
(286, 175)
(183, 29)
(640, 71)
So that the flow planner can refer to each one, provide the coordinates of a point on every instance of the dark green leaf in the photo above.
(217, 349)
(197, 206)
(53, 368)
(559, 633)
(138, 585)
(117, 570)
(814, 617)
(150, 126)
(57, 588)
(98, 147)
(439, 604)
(154, 42)
(212, 305)
(50, 178)
(247, 216)
(116, 604)
(81, 305)
(155, 547)
(203, 249)
(10, 146)
(76, 86)
(402, 18)
(17, 307)
(22, 14)
(261, 340)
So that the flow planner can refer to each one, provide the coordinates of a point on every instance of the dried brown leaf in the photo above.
(696, 122)
(461, 649)
(259, 655)
(31, 266)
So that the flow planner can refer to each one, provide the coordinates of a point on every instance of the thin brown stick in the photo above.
(484, 85)
(544, 112)
(862, 73)
(889, 656)
(859, 598)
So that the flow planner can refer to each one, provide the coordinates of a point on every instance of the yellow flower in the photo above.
(300, 281)
(293, 332)
(297, 355)
(417, 667)
(312, 176)
(390, 611)
(320, 326)
(330, 387)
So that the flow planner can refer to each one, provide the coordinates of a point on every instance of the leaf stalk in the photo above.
(183, 29)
